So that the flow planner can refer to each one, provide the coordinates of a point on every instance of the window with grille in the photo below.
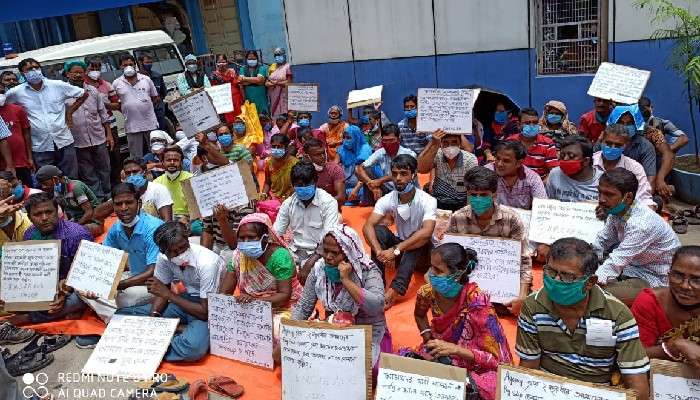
(571, 36)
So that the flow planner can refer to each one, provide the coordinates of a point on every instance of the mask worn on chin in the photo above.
(318, 168)
(3, 99)
(132, 223)
(406, 189)
(451, 152)
(446, 286)
(94, 75)
(172, 175)
(184, 259)
(565, 294)
(391, 148)
(618, 209)
(332, 273)
(571, 167)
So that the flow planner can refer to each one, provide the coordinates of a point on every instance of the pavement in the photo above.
(66, 383)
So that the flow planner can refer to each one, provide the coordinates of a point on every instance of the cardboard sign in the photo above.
(525, 216)
(364, 97)
(221, 97)
(446, 109)
(302, 97)
(241, 331)
(671, 380)
(325, 362)
(131, 347)
(232, 186)
(402, 378)
(552, 220)
(97, 268)
(517, 383)
(29, 275)
(498, 270)
(619, 83)
(195, 113)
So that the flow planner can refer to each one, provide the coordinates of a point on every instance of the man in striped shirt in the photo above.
(541, 151)
(574, 329)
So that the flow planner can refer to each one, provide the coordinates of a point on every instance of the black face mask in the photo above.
(77, 82)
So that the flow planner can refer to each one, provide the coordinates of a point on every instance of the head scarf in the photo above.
(335, 108)
(158, 134)
(358, 149)
(190, 57)
(566, 125)
(632, 109)
(351, 245)
(70, 64)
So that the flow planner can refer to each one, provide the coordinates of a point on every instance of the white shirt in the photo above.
(308, 224)
(423, 207)
(158, 195)
(200, 279)
(643, 190)
(46, 109)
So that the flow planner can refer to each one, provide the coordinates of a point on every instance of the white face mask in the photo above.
(318, 168)
(404, 211)
(451, 152)
(129, 71)
(3, 98)
(172, 175)
(156, 147)
(132, 223)
(184, 259)
(94, 75)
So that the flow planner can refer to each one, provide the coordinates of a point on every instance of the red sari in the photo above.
(230, 76)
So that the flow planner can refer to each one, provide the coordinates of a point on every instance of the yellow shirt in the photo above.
(21, 224)
(175, 189)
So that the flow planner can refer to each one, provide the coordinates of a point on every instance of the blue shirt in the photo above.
(141, 247)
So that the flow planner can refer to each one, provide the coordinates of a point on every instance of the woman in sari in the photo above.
(223, 75)
(280, 77)
(464, 331)
(278, 169)
(353, 152)
(262, 268)
(555, 122)
(333, 130)
(252, 77)
(349, 286)
(669, 317)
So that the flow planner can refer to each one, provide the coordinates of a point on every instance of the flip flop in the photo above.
(198, 390)
(226, 386)
(50, 343)
(170, 385)
(22, 363)
(680, 225)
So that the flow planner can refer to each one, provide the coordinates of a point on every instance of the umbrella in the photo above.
(486, 103)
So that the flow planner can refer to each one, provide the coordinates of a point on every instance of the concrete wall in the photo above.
(266, 19)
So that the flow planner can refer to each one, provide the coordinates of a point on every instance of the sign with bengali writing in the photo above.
(671, 380)
(221, 97)
(29, 275)
(302, 97)
(552, 220)
(446, 109)
(231, 186)
(403, 378)
(97, 269)
(619, 83)
(195, 113)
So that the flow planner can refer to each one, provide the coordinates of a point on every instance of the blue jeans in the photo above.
(190, 345)
(72, 305)
(64, 158)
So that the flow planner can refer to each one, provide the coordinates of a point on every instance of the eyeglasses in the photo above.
(677, 278)
(566, 277)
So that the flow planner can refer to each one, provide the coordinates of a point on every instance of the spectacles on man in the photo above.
(566, 277)
(677, 278)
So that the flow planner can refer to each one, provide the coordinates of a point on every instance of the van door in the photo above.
(221, 25)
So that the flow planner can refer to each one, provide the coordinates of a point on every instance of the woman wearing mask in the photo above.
(223, 75)
(280, 77)
(349, 286)
(278, 168)
(252, 77)
(555, 122)
(262, 268)
(334, 130)
(464, 331)
(353, 152)
(192, 78)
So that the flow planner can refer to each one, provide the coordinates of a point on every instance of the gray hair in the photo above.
(570, 247)
(170, 233)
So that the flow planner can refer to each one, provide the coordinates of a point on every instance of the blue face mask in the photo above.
(277, 153)
(332, 273)
(410, 113)
(252, 63)
(137, 180)
(253, 248)
(554, 118)
(364, 119)
(18, 192)
(58, 188)
(280, 59)
(407, 189)
(631, 129)
(446, 286)
(480, 204)
(612, 153)
(530, 131)
(500, 117)
(304, 122)
(239, 127)
(305, 192)
(225, 139)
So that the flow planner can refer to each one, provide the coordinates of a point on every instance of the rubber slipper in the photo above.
(22, 363)
(50, 343)
(170, 385)
(198, 390)
(690, 216)
(226, 386)
(680, 225)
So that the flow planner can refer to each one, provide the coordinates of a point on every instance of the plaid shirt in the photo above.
(412, 139)
(4, 130)
(541, 156)
(528, 186)
(448, 184)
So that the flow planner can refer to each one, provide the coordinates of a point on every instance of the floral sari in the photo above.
(276, 93)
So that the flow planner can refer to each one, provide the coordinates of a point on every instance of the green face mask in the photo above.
(480, 204)
(563, 293)
(332, 273)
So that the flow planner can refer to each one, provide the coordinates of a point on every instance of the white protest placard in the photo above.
(29, 275)
(97, 269)
(195, 113)
(525, 216)
(498, 270)
(517, 383)
(302, 97)
(221, 97)
(325, 362)
(619, 83)
(231, 186)
(671, 380)
(241, 331)
(446, 109)
(552, 220)
(363, 97)
(403, 378)
(131, 347)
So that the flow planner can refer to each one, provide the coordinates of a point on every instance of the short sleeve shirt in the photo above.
(16, 119)
(136, 103)
(154, 198)
(199, 279)
(561, 187)
(174, 187)
(77, 194)
(332, 173)
(423, 207)
(140, 247)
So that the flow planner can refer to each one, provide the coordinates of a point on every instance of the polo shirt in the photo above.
(87, 127)
(200, 278)
(46, 109)
(175, 189)
(590, 127)
(542, 335)
(423, 207)
(20, 225)
(542, 156)
(136, 103)
(140, 247)
(154, 198)
(17, 121)
(308, 223)
(411, 139)
(668, 128)
(448, 183)
(107, 94)
(77, 193)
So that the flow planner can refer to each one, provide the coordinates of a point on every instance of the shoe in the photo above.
(22, 362)
(87, 341)
(10, 334)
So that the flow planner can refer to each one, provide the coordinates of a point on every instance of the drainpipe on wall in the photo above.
(244, 23)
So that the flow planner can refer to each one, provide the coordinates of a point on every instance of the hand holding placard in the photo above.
(446, 109)
(29, 275)
(97, 269)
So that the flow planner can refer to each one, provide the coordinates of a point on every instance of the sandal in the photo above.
(50, 343)
(226, 386)
(198, 390)
(22, 363)
(691, 216)
(680, 225)
(170, 385)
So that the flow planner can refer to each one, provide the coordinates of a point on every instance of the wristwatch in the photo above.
(397, 252)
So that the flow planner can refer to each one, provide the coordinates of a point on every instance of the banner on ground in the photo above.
(671, 380)
(402, 378)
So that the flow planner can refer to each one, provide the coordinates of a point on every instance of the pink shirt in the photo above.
(136, 103)
(326, 179)
(644, 190)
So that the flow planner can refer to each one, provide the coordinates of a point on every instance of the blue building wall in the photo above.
(267, 26)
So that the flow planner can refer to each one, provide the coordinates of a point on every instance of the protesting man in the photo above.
(330, 175)
(414, 213)
(172, 179)
(676, 138)
(517, 184)
(541, 152)
(593, 122)
(155, 198)
(410, 138)
(19, 142)
(375, 172)
(575, 179)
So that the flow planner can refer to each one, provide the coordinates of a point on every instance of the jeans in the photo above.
(405, 263)
(94, 169)
(72, 305)
(136, 142)
(64, 158)
(190, 345)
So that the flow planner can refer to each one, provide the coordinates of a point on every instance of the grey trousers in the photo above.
(136, 142)
(94, 169)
